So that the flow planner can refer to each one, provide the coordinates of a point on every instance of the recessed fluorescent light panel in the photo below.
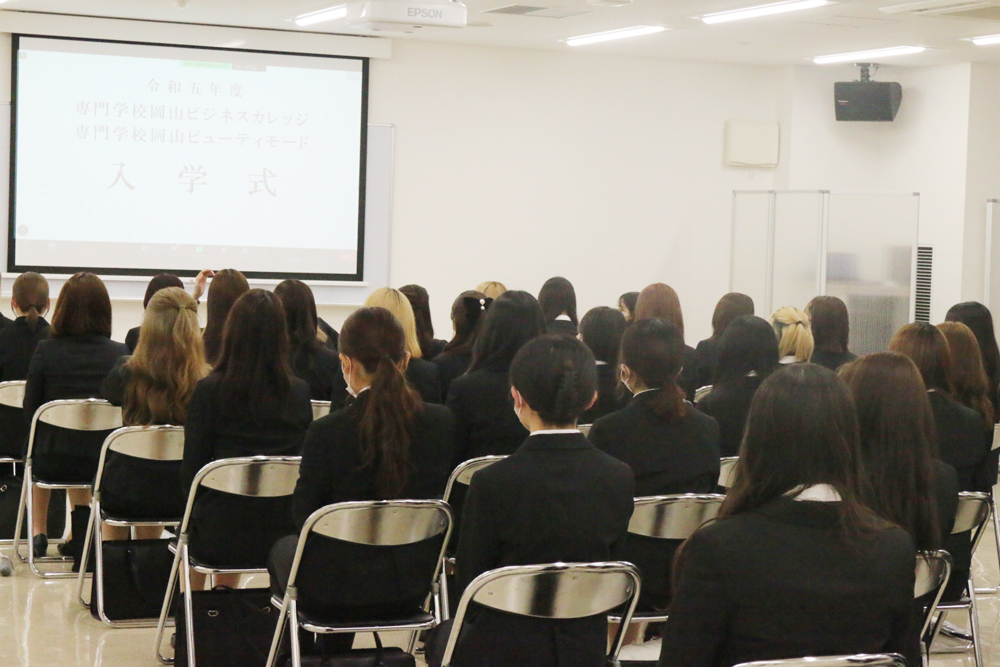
(861, 56)
(615, 34)
(763, 10)
(988, 40)
(328, 14)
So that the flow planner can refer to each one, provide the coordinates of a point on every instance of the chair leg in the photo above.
(996, 533)
(94, 511)
(445, 605)
(20, 516)
(272, 655)
(974, 625)
(168, 599)
(98, 586)
(188, 604)
(293, 610)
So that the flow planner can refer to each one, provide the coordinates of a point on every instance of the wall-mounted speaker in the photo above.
(867, 100)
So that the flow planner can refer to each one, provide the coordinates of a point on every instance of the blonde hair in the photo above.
(168, 362)
(791, 326)
(396, 303)
(491, 288)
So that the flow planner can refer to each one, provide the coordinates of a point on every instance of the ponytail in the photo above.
(32, 318)
(31, 295)
(654, 350)
(792, 328)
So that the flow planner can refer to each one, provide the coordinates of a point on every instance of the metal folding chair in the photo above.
(12, 396)
(668, 518)
(460, 478)
(556, 591)
(78, 414)
(585, 429)
(252, 476)
(320, 409)
(996, 526)
(379, 523)
(152, 443)
(932, 573)
(860, 660)
(727, 471)
(974, 510)
(701, 392)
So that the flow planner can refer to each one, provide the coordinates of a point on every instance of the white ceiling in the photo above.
(783, 39)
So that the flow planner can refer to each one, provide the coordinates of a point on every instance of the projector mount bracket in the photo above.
(866, 71)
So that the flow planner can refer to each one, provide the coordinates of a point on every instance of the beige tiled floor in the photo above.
(42, 625)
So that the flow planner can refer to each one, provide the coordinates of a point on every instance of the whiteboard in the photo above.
(378, 228)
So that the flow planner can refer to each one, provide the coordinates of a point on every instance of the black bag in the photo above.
(10, 496)
(365, 657)
(135, 579)
(232, 627)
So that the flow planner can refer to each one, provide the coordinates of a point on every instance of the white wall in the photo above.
(982, 180)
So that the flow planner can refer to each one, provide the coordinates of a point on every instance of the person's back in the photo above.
(960, 439)
(729, 307)
(729, 404)
(311, 361)
(557, 498)
(601, 330)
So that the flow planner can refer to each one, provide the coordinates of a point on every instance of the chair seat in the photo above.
(419, 618)
(962, 603)
(106, 516)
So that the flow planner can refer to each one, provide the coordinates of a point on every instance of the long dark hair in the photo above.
(926, 347)
(83, 308)
(730, 307)
(968, 377)
(158, 282)
(601, 330)
(513, 319)
(374, 338)
(556, 297)
(556, 376)
(977, 317)
(467, 312)
(420, 301)
(253, 362)
(654, 351)
(226, 287)
(626, 302)
(802, 430)
(300, 315)
(660, 301)
(897, 431)
(748, 346)
(831, 325)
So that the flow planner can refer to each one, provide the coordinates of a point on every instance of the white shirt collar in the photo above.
(644, 391)
(565, 318)
(823, 493)
(556, 431)
(790, 359)
(600, 363)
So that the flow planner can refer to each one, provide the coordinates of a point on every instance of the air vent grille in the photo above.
(518, 10)
(922, 296)
(538, 12)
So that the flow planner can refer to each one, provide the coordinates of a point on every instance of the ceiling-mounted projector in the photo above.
(406, 15)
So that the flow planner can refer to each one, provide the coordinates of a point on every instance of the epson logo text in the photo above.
(420, 12)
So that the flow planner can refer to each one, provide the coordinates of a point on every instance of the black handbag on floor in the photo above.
(10, 497)
(135, 579)
(233, 627)
(365, 657)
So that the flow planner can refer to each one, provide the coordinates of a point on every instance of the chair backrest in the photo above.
(932, 573)
(12, 393)
(860, 660)
(673, 517)
(701, 392)
(320, 409)
(585, 429)
(253, 476)
(153, 443)
(78, 414)
(973, 511)
(386, 523)
(463, 473)
(557, 591)
(727, 471)
(996, 435)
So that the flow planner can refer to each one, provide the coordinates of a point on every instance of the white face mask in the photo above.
(350, 389)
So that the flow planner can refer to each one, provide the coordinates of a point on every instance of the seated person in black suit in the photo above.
(906, 485)
(387, 444)
(72, 363)
(670, 446)
(153, 386)
(748, 354)
(557, 498)
(601, 330)
(227, 286)
(795, 565)
(466, 313)
(422, 374)
(420, 301)
(557, 299)
(960, 440)
(660, 302)
(311, 360)
(730, 307)
(485, 424)
(250, 405)
(18, 341)
(831, 329)
(162, 281)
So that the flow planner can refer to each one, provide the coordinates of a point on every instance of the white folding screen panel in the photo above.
(991, 265)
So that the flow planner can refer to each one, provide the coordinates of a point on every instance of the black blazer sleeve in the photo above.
(113, 389)
(315, 475)
(479, 548)
(463, 428)
(199, 432)
(34, 390)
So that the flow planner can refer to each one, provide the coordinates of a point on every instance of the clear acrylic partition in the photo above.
(861, 247)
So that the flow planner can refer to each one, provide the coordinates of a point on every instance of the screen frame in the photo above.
(13, 267)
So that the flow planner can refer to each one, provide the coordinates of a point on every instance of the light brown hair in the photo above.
(31, 295)
(83, 308)
(968, 376)
(926, 347)
(659, 301)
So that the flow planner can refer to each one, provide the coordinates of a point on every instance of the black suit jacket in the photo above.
(781, 582)
(451, 365)
(424, 377)
(132, 339)
(332, 337)
(608, 399)
(729, 404)
(556, 499)
(17, 346)
(70, 367)
(485, 422)
(320, 368)
(706, 356)
(563, 327)
(681, 456)
(688, 379)
(961, 443)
